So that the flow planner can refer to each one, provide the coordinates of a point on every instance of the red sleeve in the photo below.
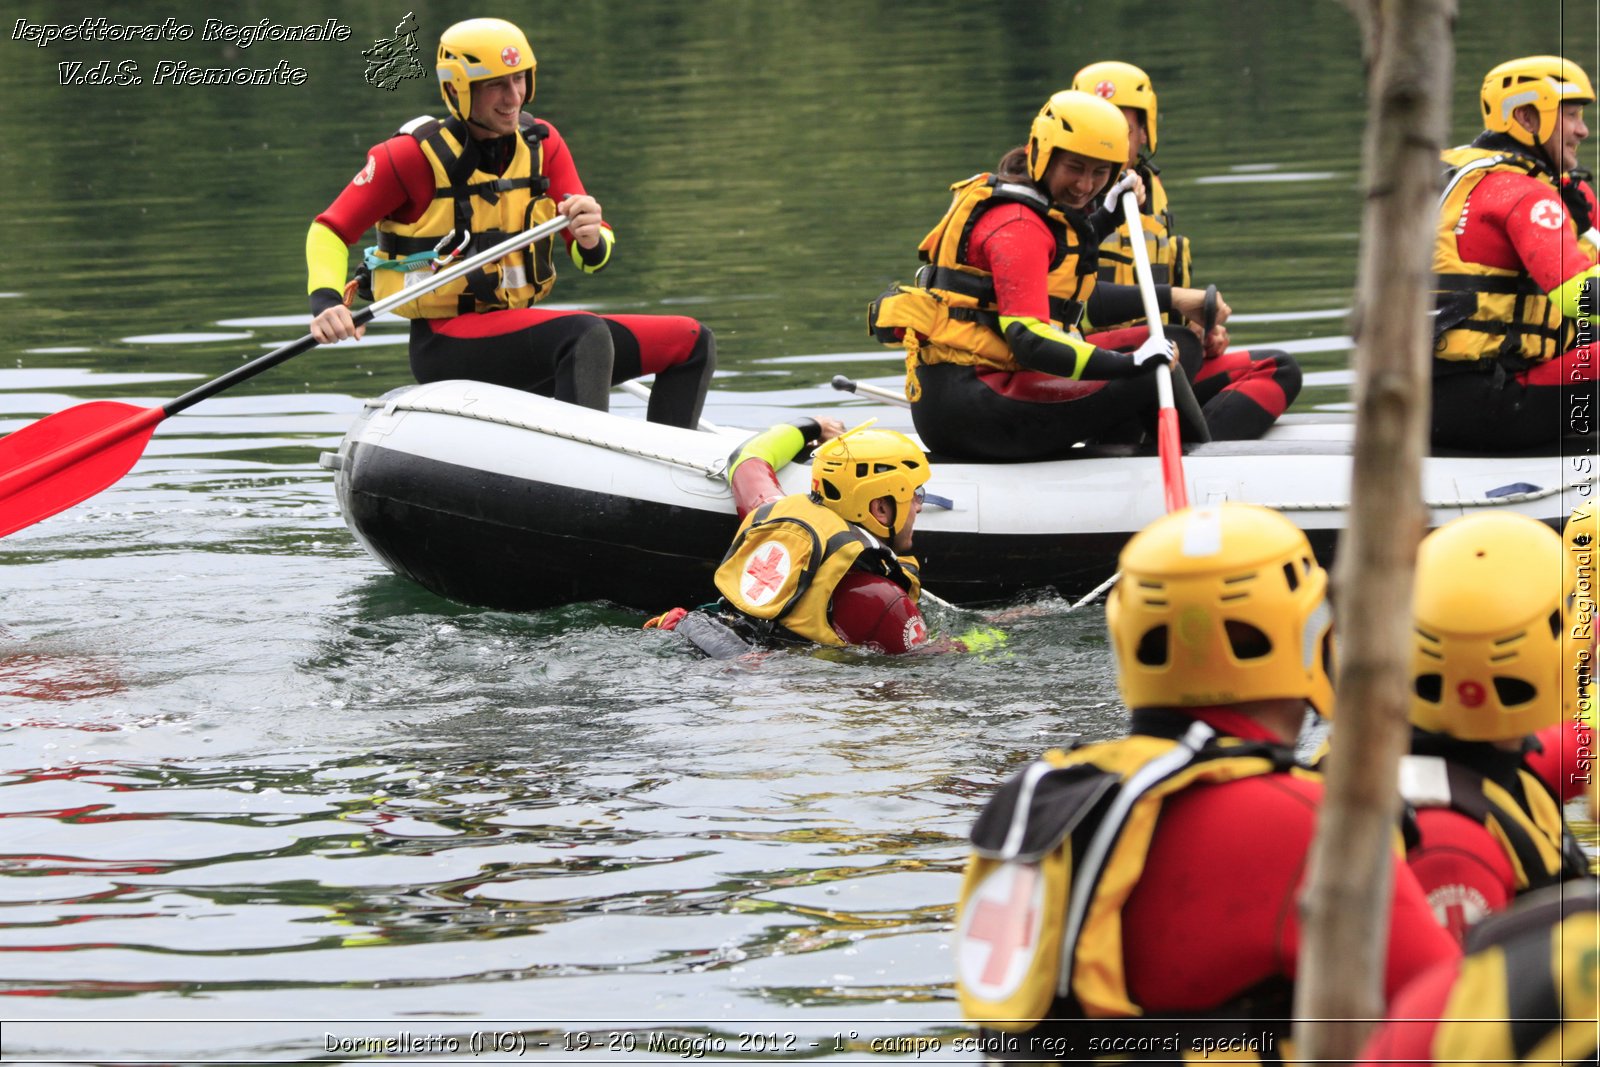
(1014, 245)
(1566, 763)
(1223, 878)
(562, 171)
(396, 182)
(1517, 222)
(1464, 873)
(754, 483)
(872, 611)
(1413, 1017)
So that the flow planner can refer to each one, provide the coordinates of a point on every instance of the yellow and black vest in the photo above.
(1056, 854)
(1527, 988)
(788, 558)
(1488, 316)
(1168, 249)
(1495, 789)
(470, 203)
(951, 314)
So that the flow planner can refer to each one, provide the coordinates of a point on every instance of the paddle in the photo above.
(849, 385)
(1168, 441)
(65, 458)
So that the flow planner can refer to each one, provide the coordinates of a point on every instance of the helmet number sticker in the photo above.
(765, 571)
(1470, 693)
(1547, 213)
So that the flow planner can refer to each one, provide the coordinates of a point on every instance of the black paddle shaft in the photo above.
(253, 368)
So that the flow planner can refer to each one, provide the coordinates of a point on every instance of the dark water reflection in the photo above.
(249, 775)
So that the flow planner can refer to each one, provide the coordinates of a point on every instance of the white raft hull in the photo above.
(496, 497)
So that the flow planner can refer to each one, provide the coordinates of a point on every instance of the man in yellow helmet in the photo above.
(997, 368)
(1256, 386)
(441, 189)
(1515, 358)
(1125, 896)
(1497, 743)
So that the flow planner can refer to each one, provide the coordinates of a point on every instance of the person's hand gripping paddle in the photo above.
(65, 458)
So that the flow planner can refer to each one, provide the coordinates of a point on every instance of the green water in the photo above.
(255, 789)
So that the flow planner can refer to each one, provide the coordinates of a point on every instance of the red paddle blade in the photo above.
(1169, 441)
(67, 457)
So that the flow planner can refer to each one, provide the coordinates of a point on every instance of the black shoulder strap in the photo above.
(1033, 813)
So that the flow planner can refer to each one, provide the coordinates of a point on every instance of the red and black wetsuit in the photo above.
(1043, 410)
(1517, 222)
(868, 610)
(550, 351)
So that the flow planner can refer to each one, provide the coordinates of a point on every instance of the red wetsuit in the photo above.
(1531, 1001)
(545, 350)
(1464, 870)
(868, 609)
(1216, 911)
(1517, 222)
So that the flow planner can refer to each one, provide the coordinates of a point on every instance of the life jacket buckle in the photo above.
(442, 259)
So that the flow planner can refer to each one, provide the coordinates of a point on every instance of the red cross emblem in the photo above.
(764, 574)
(1105, 89)
(1000, 930)
(510, 56)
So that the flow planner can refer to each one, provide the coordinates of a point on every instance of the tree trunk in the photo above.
(1340, 976)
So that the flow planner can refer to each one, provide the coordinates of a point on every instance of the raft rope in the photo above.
(710, 470)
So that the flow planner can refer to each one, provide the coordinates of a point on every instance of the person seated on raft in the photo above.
(996, 366)
(867, 489)
(443, 188)
(1256, 386)
(1515, 353)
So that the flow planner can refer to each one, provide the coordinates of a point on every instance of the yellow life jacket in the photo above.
(1489, 315)
(1513, 804)
(788, 558)
(1527, 988)
(951, 315)
(1168, 249)
(1056, 854)
(469, 201)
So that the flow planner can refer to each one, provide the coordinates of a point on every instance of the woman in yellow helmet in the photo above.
(444, 188)
(1255, 386)
(1515, 358)
(996, 365)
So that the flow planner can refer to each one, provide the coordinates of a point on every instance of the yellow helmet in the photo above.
(1578, 624)
(1125, 85)
(851, 471)
(1486, 620)
(1542, 82)
(1081, 123)
(476, 50)
(1220, 605)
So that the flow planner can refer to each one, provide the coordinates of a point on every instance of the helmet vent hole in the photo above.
(1429, 687)
(470, 58)
(1152, 650)
(1291, 577)
(1513, 691)
(831, 491)
(1246, 641)
(1555, 623)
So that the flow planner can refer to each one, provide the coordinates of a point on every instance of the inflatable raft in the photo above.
(494, 497)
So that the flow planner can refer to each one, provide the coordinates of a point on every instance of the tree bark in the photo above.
(1345, 909)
